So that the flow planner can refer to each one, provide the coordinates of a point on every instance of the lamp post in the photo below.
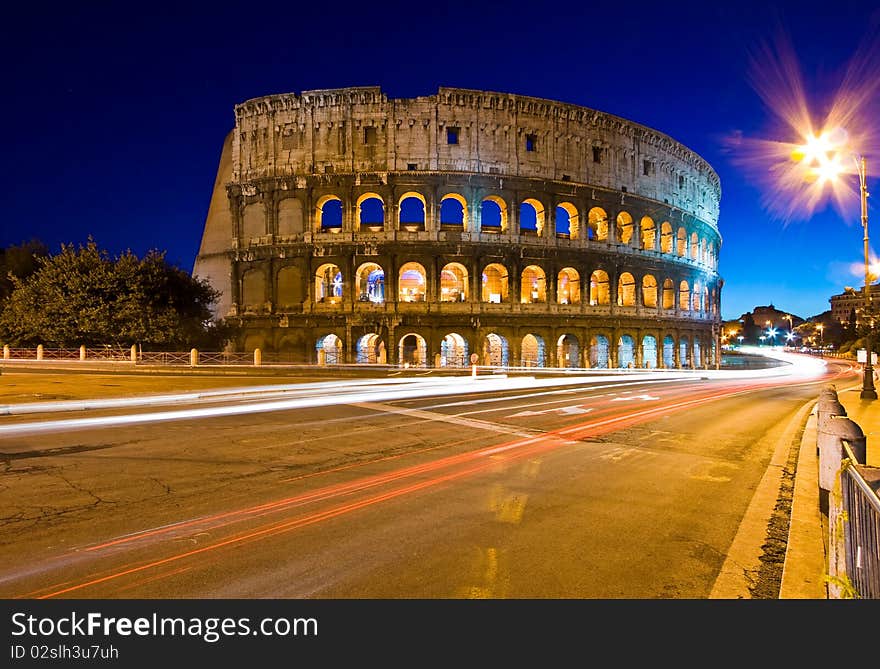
(821, 155)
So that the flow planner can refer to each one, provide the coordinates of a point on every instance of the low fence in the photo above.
(848, 495)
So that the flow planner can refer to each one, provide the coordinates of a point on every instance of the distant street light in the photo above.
(762, 338)
(740, 339)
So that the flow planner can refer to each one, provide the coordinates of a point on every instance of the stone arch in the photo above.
(453, 211)
(681, 245)
(684, 296)
(698, 361)
(626, 290)
(695, 246)
(533, 285)
(626, 352)
(666, 237)
(370, 209)
(684, 353)
(668, 294)
(412, 350)
(370, 283)
(696, 296)
(648, 233)
(533, 351)
(289, 287)
(624, 228)
(668, 352)
(495, 283)
(329, 350)
(649, 291)
(649, 352)
(453, 283)
(493, 209)
(600, 288)
(253, 221)
(328, 213)
(496, 351)
(599, 357)
(597, 222)
(290, 217)
(453, 350)
(532, 212)
(253, 287)
(412, 283)
(568, 286)
(567, 351)
(328, 284)
(411, 208)
(371, 350)
(567, 220)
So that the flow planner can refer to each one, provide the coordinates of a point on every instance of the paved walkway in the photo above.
(804, 571)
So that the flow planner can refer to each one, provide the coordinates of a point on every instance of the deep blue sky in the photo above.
(113, 118)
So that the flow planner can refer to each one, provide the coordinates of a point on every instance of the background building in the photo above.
(348, 227)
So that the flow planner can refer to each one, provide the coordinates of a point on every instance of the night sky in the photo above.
(114, 118)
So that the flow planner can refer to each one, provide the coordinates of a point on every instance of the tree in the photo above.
(83, 296)
(19, 262)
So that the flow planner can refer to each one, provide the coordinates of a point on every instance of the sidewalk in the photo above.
(804, 571)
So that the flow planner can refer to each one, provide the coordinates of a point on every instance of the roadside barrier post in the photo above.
(82, 352)
(134, 353)
(258, 357)
(194, 357)
(6, 352)
(39, 351)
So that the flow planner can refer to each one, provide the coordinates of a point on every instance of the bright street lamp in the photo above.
(822, 156)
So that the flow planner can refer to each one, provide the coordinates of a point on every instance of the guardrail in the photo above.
(860, 527)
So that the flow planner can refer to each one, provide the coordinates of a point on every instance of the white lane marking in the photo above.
(644, 398)
(565, 411)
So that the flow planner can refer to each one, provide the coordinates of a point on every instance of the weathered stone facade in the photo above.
(348, 227)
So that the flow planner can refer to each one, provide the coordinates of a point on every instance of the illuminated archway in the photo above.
(453, 351)
(568, 286)
(328, 214)
(411, 211)
(328, 284)
(453, 283)
(600, 289)
(597, 221)
(684, 296)
(493, 214)
(453, 212)
(649, 291)
(567, 221)
(626, 352)
(567, 351)
(495, 350)
(329, 350)
(412, 351)
(371, 350)
(624, 228)
(371, 212)
(648, 232)
(412, 284)
(649, 352)
(533, 285)
(668, 352)
(532, 351)
(666, 237)
(668, 294)
(370, 280)
(599, 352)
(495, 283)
(532, 217)
(681, 248)
(626, 290)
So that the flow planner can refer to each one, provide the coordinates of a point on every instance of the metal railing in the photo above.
(861, 529)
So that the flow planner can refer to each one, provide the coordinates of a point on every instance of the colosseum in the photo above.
(347, 227)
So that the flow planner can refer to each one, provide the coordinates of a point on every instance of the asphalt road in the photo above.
(627, 487)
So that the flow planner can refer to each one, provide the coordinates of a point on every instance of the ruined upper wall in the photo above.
(362, 130)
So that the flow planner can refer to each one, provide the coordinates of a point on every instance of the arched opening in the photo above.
(453, 283)
(328, 284)
(567, 351)
(531, 217)
(253, 288)
(666, 237)
(697, 295)
(648, 233)
(567, 221)
(329, 350)
(493, 214)
(411, 213)
(649, 352)
(494, 285)
(371, 350)
(532, 351)
(289, 291)
(568, 286)
(626, 290)
(453, 212)
(624, 228)
(412, 283)
(371, 283)
(703, 257)
(626, 352)
(649, 291)
(668, 352)
(597, 222)
(695, 246)
(599, 352)
(412, 351)
(684, 353)
(697, 353)
(495, 351)
(668, 294)
(706, 305)
(533, 285)
(684, 296)
(328, 214)
(711, 258)
(600, 289)
(290, 217)
(453, 351)
(371, 212)
(681, 248)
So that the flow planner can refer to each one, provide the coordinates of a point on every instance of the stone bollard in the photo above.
(322, 356)
(827, 407)
(82, 352)
(134, 353)
(39, 351)
(258, 357)
(838, 429)
(437, 360)
(194, 357)
(6, 352)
